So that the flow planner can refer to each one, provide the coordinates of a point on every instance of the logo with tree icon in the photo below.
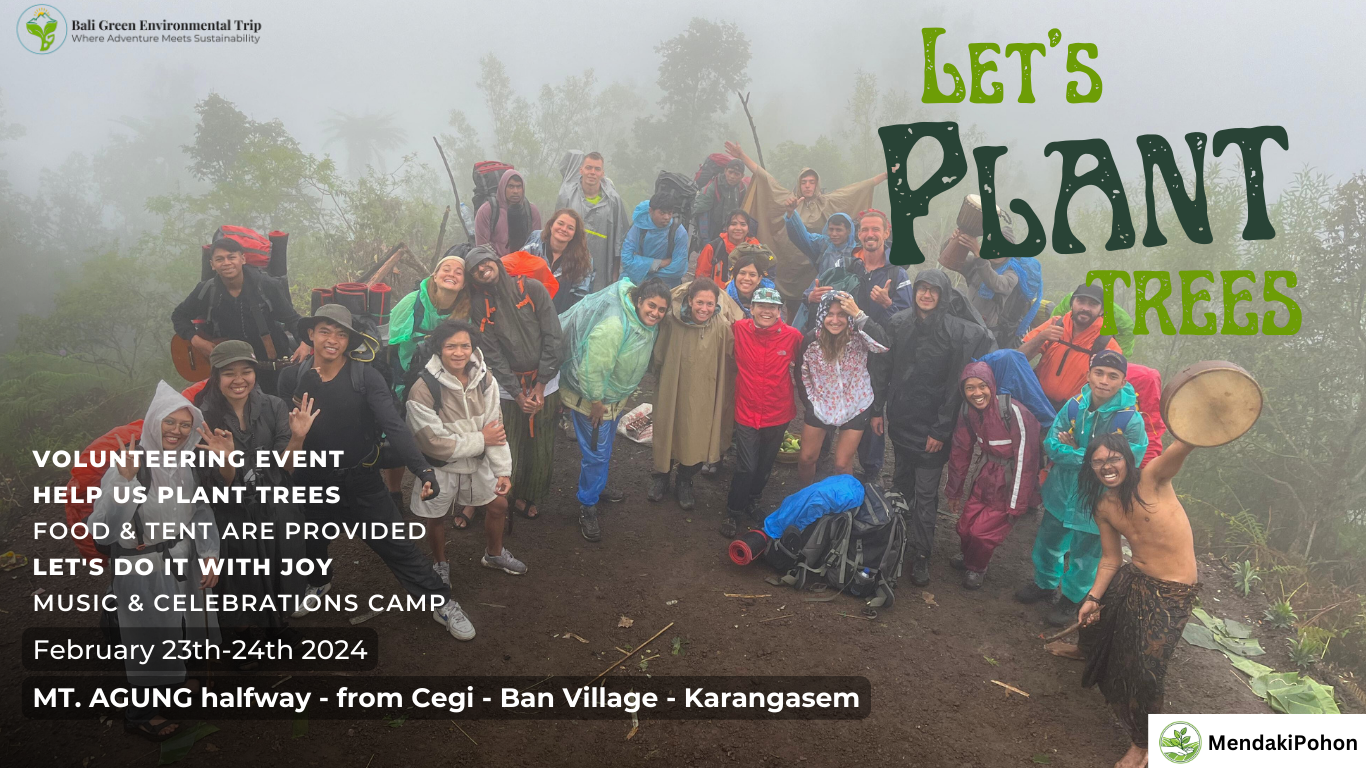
(1179, 742)
(42, 29)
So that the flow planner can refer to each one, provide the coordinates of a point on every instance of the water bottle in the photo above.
(467, 216)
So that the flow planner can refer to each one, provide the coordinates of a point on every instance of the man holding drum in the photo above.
(1133, 616)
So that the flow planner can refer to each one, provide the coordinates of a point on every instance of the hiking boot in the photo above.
(659, 483)
(443, 570)
(457, 623)
(317, 592)
(731, 525)
(956, 562)
(504, 561)
(920, 572)
(1032, 593)
(683, 487)
(588, 524)
(1063, 614)
(614, 495)
(973, 579)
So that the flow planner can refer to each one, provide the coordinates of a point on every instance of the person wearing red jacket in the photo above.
(765, 350)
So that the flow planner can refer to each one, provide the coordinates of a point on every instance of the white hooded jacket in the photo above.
(455, 434)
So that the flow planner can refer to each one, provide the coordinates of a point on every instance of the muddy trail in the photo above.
(931, 658)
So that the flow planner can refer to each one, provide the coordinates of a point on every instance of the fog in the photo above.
(1168, 68)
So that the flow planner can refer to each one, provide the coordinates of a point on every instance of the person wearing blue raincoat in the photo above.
(1107, 403)
(1005, 292)
(645, 252)
(826, 250)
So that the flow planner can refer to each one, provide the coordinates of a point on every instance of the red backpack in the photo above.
(265, 253)
(90, 477)
(715, 163)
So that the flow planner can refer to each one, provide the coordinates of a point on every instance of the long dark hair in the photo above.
(1091, 489)
(577, 261)
(215, 406)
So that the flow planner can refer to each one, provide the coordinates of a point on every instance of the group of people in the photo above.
(535, 323)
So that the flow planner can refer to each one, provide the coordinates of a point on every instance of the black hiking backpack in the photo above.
(858, 551)
(683, 192)
(486, 175)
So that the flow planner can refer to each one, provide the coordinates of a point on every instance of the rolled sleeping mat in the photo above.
(279, 262)
(380, 299)
(749, 546)
(353, 296)
(320, 297)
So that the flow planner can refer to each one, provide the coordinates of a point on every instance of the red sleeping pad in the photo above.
(90, 477)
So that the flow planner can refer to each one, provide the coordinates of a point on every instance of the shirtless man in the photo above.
(1133, 615)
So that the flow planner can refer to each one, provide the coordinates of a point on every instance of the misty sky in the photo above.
(1168, 68)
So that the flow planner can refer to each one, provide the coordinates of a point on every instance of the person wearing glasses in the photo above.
(1107, 404)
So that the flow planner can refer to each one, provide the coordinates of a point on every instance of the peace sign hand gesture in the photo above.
(126, 469)
(301, 418)
(218, 441)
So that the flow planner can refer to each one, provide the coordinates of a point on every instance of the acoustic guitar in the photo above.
(194, 366)
(189, 362)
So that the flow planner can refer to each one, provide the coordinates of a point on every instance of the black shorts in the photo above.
(859, 422)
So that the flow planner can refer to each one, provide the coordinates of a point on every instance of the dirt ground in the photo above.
(931, 658)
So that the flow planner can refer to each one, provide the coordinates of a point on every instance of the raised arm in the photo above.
(1165, 466)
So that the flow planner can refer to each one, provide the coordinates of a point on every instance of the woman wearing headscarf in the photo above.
(439, 296)
(563, 245)
(694, 409)
(520, 338)
(842, 382)
(240, 417)
(172, 423)
(1006, 436)
(609, 338)
(751, 269)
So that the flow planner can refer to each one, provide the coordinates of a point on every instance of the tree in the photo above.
(700, 72)
(365, 138)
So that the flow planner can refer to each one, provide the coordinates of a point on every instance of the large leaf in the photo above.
(1250, 667)
(1237, 629)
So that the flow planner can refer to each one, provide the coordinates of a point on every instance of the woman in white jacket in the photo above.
(455, 417)
(137, 525)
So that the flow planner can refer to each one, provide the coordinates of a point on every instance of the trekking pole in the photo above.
(744, 102)
(459, 215)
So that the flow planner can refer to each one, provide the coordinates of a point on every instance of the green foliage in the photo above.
(700, 71)
(1245, 575)
(1281, 614)
(1303, 654)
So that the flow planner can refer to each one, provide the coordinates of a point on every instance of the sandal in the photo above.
(460, 520)
(155, 733)
(526, 509)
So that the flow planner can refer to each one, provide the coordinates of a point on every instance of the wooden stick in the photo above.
(1011, 688)
(727, 594)
(744, 102)
(468, 237)
(1063, 633)
(775, 618)
(389, 258)
(632, 653)
(441, 235)
(462, 730)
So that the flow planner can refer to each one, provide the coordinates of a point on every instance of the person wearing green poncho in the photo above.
(609, 338)
(1124, 324)
(438, 297)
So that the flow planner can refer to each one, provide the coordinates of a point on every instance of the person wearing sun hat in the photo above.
(355, 407)
(766, 348)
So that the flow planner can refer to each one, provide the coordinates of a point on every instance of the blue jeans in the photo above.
(1055, 540)
(593, 469)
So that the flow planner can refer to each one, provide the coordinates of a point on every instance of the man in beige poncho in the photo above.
(767, 202)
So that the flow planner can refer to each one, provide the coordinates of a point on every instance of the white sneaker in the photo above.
(455, 620)
(443, 570)
(504, 561)
(317, 592)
